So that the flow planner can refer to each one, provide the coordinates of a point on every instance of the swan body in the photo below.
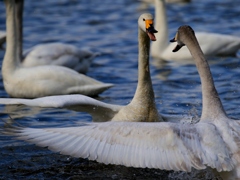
(141, 108)
(33, 82)
(61, 54)
(212, 44)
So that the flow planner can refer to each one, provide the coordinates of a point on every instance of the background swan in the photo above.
(59, 54)
(53, 53)
(167, 1)
(212, 44)
(32, 82)
(212, 142)
(141, 108)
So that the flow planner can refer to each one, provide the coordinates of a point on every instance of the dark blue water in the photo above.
(110, 27)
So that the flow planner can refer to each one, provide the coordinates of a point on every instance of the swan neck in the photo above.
(211, 104)
(19, 22)
(11, 60)
(144, 91)
(162, 28)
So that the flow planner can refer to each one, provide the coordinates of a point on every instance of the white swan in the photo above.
(212, 142)
(212, 44)
(141, 108)
(2, 38)
(32, 82)
(53, 53)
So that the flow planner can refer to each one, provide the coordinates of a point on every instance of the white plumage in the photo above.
(60, 54)
(100, 111)
(169, 146)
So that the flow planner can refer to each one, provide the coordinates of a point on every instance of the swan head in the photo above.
(145, 22)
(183, 33)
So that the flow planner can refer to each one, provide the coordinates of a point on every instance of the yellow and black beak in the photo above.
(150, 29)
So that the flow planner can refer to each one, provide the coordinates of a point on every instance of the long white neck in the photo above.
(161, 26)
(11, 60)
(211, 104)
(144, 94)
(19, 22)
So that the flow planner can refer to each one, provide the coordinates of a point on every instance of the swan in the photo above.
(167, 1)
(33, 82)
(2, 38)
(212, 108)
(141, 108)
(212, 44)
(212, 142)
(53, 53)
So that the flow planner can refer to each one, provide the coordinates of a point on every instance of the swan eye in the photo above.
(143, 19)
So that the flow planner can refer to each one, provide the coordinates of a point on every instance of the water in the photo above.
(111, 28)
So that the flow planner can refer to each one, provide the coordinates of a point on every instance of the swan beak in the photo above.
(173, 40)
(150, 29)
(178, 46)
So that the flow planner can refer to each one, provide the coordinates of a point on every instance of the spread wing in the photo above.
(168, 146)
(98, 109)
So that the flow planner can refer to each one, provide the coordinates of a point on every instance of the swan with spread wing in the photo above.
(212, 142)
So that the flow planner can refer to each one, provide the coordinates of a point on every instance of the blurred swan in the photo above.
(33, 82)
(141, 108)
(2, 38)
(53, 53)
(145, 3)
(59, 54)
(212, 142)
(167, 1)
(212, 44)
(213, 112)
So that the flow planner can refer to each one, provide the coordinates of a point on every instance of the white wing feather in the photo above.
(98, 109)
(168, 146)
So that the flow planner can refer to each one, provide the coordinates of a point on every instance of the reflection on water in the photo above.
(111, 28)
